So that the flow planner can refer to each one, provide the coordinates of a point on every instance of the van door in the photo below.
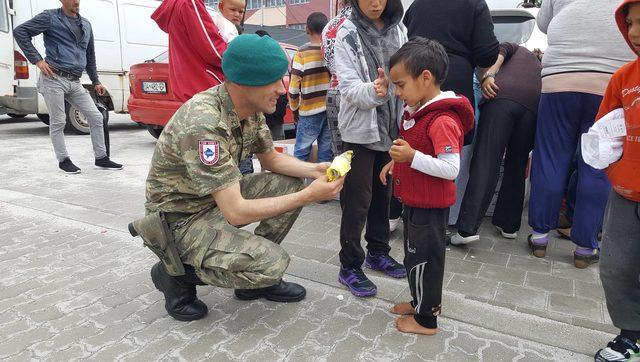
(6, 52)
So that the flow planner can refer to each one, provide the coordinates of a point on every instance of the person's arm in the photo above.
(489, 87)
(295, 81)
(91, 67)
(352, 88)
(446, 166)
(290, 166)
(204, 35)
(25, 32)
(545, 14)
(483, 40)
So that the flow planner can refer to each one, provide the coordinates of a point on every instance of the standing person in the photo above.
(195, 46)
(620, 269)
(275, 120)
(581, 57)
(368, 122)
(470, 43)
(511, 90)
(425, 161)
(69, 46)
(198, 197)
(333, 93)
(308, 93)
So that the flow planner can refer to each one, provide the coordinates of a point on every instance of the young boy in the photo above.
(308, 92)
(620, 248)
(425, 161)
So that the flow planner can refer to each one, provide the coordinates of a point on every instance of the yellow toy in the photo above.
(340, 166)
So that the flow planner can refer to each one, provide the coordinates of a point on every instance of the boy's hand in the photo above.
(381, 84)
(401, 151)
(386, 170)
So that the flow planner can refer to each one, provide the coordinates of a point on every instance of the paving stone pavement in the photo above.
(74, 284)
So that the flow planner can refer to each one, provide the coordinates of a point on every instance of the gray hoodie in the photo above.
(360, 49)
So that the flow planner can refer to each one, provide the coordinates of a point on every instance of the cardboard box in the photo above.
(286, 146)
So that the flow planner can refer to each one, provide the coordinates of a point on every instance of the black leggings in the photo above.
(504, 124)
(424, 250)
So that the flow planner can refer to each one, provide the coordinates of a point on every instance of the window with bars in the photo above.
(297, 2)
(211, 3)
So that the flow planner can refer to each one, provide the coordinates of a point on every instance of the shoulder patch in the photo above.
(209, 152)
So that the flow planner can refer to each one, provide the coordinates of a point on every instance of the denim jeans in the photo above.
(55, 91)
(311, 128)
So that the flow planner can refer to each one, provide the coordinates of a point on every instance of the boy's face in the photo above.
(412, 91)
(633, 25)
(232, 10)
(372, 9)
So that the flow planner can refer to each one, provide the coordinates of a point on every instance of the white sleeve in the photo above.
(446, 166)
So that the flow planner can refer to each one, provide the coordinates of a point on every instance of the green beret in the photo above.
(253, 60)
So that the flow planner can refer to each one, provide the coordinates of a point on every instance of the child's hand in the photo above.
(381, 84)
(387, 169)
(401, 151)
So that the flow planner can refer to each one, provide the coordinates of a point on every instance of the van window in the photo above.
(4, 17)
(513, 29)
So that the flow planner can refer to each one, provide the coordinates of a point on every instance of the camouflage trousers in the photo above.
(226, 256)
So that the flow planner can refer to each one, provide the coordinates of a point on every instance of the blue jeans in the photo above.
(311, 128)
(562, 118)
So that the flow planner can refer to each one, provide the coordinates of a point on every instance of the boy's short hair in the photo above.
(420, 54)
(316, 22)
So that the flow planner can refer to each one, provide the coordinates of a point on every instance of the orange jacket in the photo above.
(623, 91)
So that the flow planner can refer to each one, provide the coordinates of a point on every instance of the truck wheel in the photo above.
(155, 132)
(13, 115)
(43, 117)
(76, 121)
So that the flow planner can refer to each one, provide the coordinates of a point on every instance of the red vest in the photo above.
(414, 188)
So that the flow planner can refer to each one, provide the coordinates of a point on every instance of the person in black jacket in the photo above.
(465, 29)
(275, 120)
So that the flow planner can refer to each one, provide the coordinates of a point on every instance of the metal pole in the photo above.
(261, 13)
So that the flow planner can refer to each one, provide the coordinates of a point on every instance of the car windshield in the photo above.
(513, 29)
(162, 58)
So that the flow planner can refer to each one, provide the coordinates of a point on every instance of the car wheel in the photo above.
(13, 115)
(43, 117)
(155, 132)
(76, 121)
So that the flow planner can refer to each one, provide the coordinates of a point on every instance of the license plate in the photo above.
(154, 87)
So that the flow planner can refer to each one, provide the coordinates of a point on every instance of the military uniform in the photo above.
(198, 154)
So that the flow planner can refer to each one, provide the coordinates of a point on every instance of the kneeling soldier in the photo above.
(197, 198)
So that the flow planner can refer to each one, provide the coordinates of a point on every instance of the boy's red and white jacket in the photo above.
(623, 92)
(435, 129)
(195, 46)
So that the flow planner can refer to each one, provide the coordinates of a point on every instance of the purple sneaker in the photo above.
(357, 283)
(385, 264)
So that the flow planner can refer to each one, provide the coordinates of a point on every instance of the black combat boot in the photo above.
(281, 292)
(180, 297)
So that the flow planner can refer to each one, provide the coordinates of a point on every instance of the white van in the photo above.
(6, 57)
(124, 35)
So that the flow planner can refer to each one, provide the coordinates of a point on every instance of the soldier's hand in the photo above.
(45, 68)
(320, 169)
(322, 190)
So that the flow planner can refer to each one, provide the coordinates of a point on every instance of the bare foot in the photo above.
(409, 325)
(404, 308)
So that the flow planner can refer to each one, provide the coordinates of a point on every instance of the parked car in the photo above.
(152, 103)
(124, 35)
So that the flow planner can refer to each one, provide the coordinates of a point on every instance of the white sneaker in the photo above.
(505, 234)
(394, 223)
(458, 239)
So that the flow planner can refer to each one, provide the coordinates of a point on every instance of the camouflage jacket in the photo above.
(198, 153)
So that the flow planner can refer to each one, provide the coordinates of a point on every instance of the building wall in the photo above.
(297, 13)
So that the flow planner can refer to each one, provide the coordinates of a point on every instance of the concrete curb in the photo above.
(458, 307)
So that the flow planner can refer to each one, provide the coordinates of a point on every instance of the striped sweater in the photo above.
(309, 81)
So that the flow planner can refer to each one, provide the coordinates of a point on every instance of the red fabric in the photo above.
(195, 46)
(439, 128)
(623, 91)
